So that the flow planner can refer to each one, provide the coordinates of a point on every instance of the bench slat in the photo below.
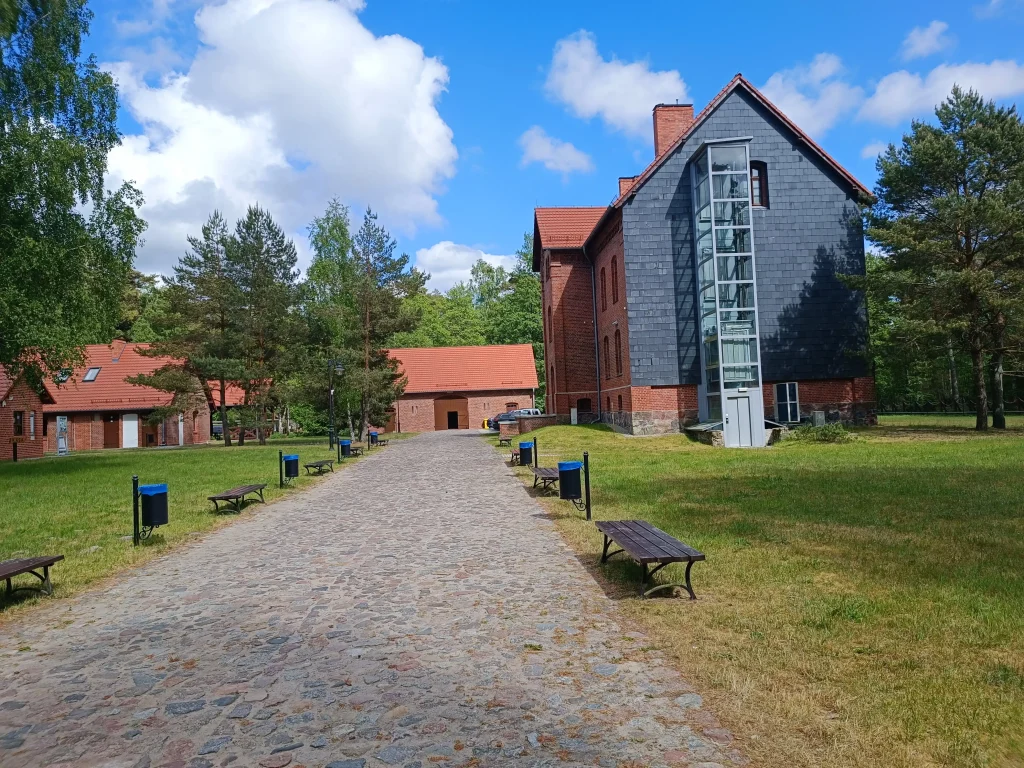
(10, 568)
(548, 473)
(647, 544)
(234, 493)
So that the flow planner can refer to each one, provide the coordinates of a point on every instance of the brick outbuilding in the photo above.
(462, 387)
(21, 417)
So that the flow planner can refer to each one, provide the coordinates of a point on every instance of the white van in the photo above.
(527, 412)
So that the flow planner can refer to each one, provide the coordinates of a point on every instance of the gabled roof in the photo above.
(564, 227)
(109, 391)
(467, 369)
(739, 82)
(7, 382)
(233, 394)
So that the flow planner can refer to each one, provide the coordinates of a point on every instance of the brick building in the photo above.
(709, 290)
(95, 407)
(462, 387)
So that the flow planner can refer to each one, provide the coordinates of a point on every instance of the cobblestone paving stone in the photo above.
(417, 609)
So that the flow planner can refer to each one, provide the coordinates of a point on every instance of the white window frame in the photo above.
(32, 425)
(91, 374)
(796, 401)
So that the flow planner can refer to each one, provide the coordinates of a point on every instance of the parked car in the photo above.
(527, 412)
(508, 416)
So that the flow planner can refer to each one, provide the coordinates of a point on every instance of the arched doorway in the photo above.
(451, 412)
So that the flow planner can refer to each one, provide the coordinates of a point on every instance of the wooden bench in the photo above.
(382, 442)
(546, 476)
(647, 545)
(236, 496)
(319, 466)
(515, 457)
(504, 442)
(11, 568)
(355, 450)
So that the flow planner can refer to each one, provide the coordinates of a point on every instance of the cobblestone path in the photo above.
(414, 610)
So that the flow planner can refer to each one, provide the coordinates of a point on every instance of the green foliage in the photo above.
(950, 224)
(311, 420)
(827, 433)
(446, 320)
(66, 245)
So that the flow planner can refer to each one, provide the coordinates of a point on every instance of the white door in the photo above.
(181, 429)
(130, 430)
(738, 422)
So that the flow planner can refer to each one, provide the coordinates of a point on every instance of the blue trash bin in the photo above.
(291, 465)
(154, 505)
(526, 454)
(373, 438)
(569, 486)
(346, 447)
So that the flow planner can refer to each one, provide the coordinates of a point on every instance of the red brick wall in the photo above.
(670, 121)
(415, 412)
(21, 398)
(85, 430)
(611, 314)
(852, 399)
(569, 336)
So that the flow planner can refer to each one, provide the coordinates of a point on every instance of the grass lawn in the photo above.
(861, 605)
(81, 505)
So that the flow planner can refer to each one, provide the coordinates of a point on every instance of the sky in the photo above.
(453, 119)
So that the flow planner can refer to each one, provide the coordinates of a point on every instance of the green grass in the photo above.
(862, 604)
(943, 421)
(81, 505)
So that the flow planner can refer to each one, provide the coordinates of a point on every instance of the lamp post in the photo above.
(333, 366)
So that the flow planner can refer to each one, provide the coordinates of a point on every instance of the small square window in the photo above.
(787, 403)
(91, 374)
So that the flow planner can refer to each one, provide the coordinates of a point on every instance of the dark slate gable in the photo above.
(812, 326)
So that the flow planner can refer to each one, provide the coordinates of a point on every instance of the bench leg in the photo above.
(606, 555)
(10, 588)
(262, 500)
(646, 592)
(216, 507)
(47, 585)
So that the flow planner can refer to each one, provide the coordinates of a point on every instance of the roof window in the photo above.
(91, 374)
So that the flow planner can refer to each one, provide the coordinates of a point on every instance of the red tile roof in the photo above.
(565, 227)
(7, 381)
(109, 391)
(233, 394)
(467, 369)
(735, 83)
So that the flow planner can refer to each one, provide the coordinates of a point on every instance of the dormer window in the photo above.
(91, 374)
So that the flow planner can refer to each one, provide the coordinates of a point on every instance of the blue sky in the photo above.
(454, 118)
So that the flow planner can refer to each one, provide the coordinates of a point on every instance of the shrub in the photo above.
(829, 433)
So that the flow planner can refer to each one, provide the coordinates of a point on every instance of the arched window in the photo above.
(604, 291)
(615, 280)
(609, 401)
(620, 402)
(607, 362)
(551, 381)
(618, 353)
(551, 328)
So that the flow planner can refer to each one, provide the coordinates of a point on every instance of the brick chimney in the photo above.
(670, 121)
(625, 182)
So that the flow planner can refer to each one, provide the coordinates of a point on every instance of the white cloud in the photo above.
(924, 41)
(813, 95)
(554, 154)
(620, 93)
(287, 103)
(449, 263)
(901, 95)
(874, 149)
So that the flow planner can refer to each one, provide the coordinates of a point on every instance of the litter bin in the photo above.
(346, 447)
(291, 465)
(373, 438)
(526, 454)
(154, 505)
(569, 479)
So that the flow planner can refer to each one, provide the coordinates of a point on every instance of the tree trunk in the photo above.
(261, 431)
(954, 381)
(224, 414)
(998, 406)
(351, 431)
(978, 365)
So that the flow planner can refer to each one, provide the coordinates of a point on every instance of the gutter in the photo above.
(597, 346)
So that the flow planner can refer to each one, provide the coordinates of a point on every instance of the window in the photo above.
(583, 405)
(787, 403)
(759, 183)
(618, 353)
(91, 374)
(19, 423)
(608, 400)
(32, 426)
(620, 402)
(551, 381)
(607, 360)
(615, 281)
(511, 406)
(604, 291)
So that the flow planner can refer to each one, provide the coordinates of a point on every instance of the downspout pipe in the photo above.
(597, 345)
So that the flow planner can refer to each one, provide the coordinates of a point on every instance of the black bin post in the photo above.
(569, 486)
(525, 454)
(291, 466)
(346, 448)
(153, 504)
(586, 481)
